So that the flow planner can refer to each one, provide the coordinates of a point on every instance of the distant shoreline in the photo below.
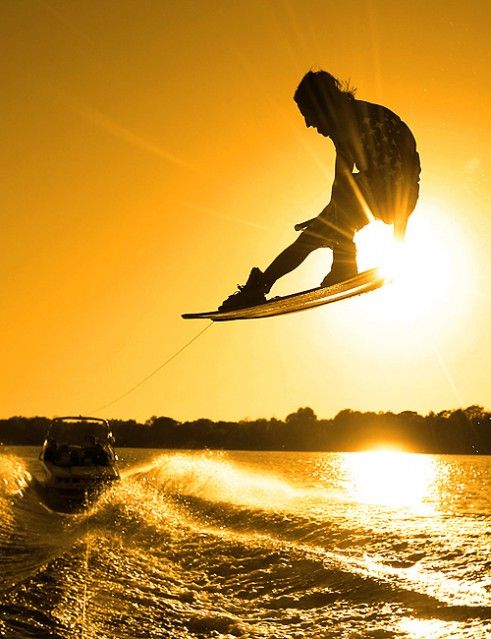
(461, 431)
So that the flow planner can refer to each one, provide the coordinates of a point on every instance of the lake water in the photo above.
(246, 544)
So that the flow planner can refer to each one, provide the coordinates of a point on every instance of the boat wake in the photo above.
(204, 544)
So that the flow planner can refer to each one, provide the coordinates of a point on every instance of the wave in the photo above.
(193, 544)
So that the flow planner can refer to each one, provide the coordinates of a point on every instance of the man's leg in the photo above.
(331, 229)
(344, 265)
(289, 259)
(259, 283)
(350, 216)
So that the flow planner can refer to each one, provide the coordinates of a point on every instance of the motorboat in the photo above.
(78, 461)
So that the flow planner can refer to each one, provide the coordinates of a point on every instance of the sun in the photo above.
(424, 271)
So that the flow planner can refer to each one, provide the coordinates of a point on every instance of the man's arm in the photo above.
(343, 170)
(400, 225)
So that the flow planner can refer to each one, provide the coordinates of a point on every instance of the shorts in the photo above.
(354, 204)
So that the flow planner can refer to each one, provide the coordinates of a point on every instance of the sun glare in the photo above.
(390, 477)
(423, 270)
(424, 628)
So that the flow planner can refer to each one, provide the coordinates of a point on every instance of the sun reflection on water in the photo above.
(426, 628)
(391, 478)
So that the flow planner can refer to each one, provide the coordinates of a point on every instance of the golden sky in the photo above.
(152, 154)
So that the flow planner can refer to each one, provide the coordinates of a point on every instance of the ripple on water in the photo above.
(247, 545)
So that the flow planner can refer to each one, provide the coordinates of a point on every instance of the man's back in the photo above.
(382, 144)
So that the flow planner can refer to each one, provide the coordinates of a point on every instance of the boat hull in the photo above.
(75, 487)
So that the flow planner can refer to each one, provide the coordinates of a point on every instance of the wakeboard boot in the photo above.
(252, 293)
(343, 264)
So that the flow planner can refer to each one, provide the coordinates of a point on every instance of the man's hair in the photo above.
(319, 90)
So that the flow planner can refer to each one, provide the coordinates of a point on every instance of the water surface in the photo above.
(236, 544)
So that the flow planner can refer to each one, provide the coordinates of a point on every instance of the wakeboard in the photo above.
(361, 283)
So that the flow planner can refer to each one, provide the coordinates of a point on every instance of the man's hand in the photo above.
(303, 225)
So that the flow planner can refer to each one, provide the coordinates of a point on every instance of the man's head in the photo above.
(319, 97)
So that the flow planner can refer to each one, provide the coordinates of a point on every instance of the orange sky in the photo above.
(152, 154)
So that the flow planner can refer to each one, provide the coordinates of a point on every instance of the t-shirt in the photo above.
(382, 148)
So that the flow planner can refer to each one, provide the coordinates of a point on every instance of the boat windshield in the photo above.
(76, 433)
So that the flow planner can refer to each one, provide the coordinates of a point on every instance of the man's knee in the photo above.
(310, 240)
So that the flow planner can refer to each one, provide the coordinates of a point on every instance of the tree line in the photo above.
(460, 431)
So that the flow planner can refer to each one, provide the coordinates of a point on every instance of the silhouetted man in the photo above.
(376, 176)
